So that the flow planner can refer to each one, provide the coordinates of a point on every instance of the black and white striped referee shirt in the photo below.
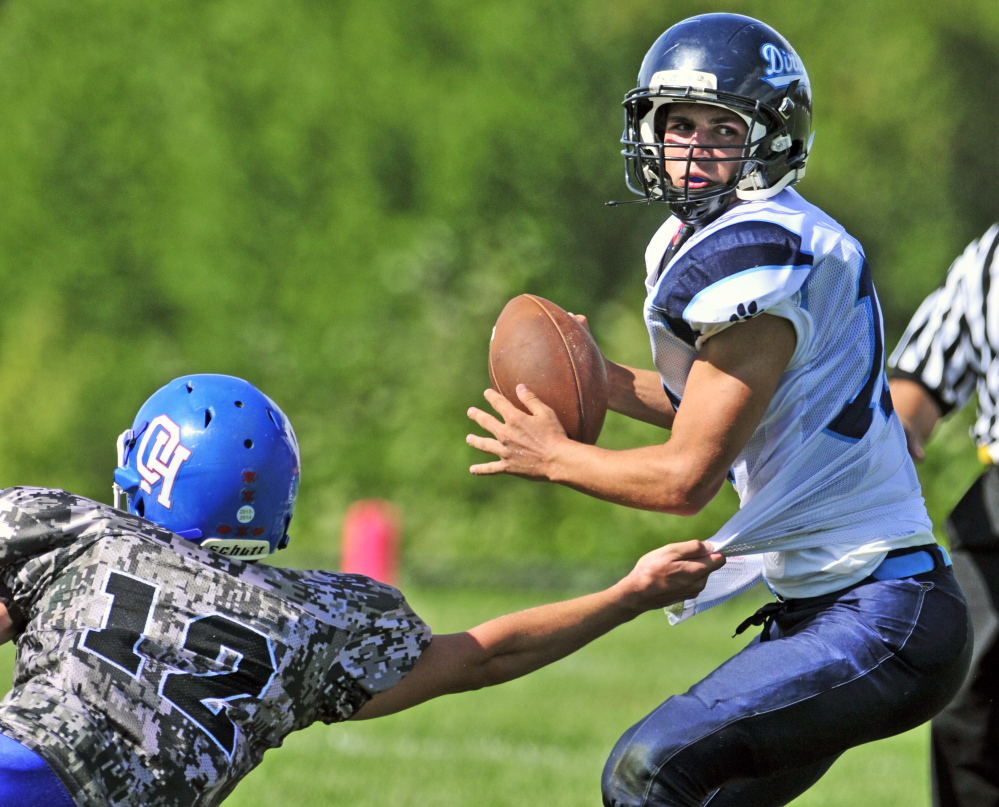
(952, 343)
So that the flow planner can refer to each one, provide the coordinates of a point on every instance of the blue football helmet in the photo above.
(214, 460)
(730, 61)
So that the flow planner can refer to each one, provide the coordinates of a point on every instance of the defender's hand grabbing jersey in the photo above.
(826, 485)
(153, 673)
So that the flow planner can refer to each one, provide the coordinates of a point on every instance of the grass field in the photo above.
(541, 740)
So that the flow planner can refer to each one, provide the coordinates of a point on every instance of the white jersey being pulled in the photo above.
(825, 482)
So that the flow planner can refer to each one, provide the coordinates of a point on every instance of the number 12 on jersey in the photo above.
(245, 655)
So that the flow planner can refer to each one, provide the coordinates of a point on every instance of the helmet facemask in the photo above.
(765, 149)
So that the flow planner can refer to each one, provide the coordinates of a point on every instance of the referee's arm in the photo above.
(937, 364)
(918, 412)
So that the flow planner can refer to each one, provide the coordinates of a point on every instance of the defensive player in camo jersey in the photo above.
(155, 666)
(767, 338)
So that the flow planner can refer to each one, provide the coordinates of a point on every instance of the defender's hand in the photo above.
(670, 574)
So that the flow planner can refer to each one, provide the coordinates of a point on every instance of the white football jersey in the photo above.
(825, 483)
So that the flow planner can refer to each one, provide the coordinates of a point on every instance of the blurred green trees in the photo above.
(334, 198)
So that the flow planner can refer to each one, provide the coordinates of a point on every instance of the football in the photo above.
(538, 344)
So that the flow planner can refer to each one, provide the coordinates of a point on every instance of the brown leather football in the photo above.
(538, 344)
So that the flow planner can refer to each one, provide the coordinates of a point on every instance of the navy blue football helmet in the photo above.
(730, 61)
(214, 460)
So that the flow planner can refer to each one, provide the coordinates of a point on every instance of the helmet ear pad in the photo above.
(213, 459)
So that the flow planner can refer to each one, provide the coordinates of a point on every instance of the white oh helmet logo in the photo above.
(164, 459)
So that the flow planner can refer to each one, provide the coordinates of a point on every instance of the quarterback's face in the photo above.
(702, 131)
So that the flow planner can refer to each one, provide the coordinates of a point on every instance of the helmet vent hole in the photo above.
(248, 443)
(190, 386)
(208, 417)
(239, 404)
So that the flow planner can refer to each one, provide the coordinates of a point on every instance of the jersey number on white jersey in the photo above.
(855, 418)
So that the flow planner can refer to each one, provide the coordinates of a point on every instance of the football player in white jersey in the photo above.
(769, 351)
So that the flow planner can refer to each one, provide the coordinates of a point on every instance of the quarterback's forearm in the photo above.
(638, 394)
(662, 478)
(728, 389)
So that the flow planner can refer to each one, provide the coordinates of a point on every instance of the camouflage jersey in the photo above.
(151, 672)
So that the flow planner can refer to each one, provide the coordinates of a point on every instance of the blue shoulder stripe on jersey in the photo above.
(738, 248)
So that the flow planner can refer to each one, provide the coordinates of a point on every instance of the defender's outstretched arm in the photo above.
(517, 644)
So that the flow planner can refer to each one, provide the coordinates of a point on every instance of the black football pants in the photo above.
(965, 735)
(835, 671)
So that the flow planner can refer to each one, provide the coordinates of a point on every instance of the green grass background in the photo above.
(541, 740)
(334, 199)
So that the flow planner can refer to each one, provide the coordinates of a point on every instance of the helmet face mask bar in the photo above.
(646, 160)
(758, 77)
